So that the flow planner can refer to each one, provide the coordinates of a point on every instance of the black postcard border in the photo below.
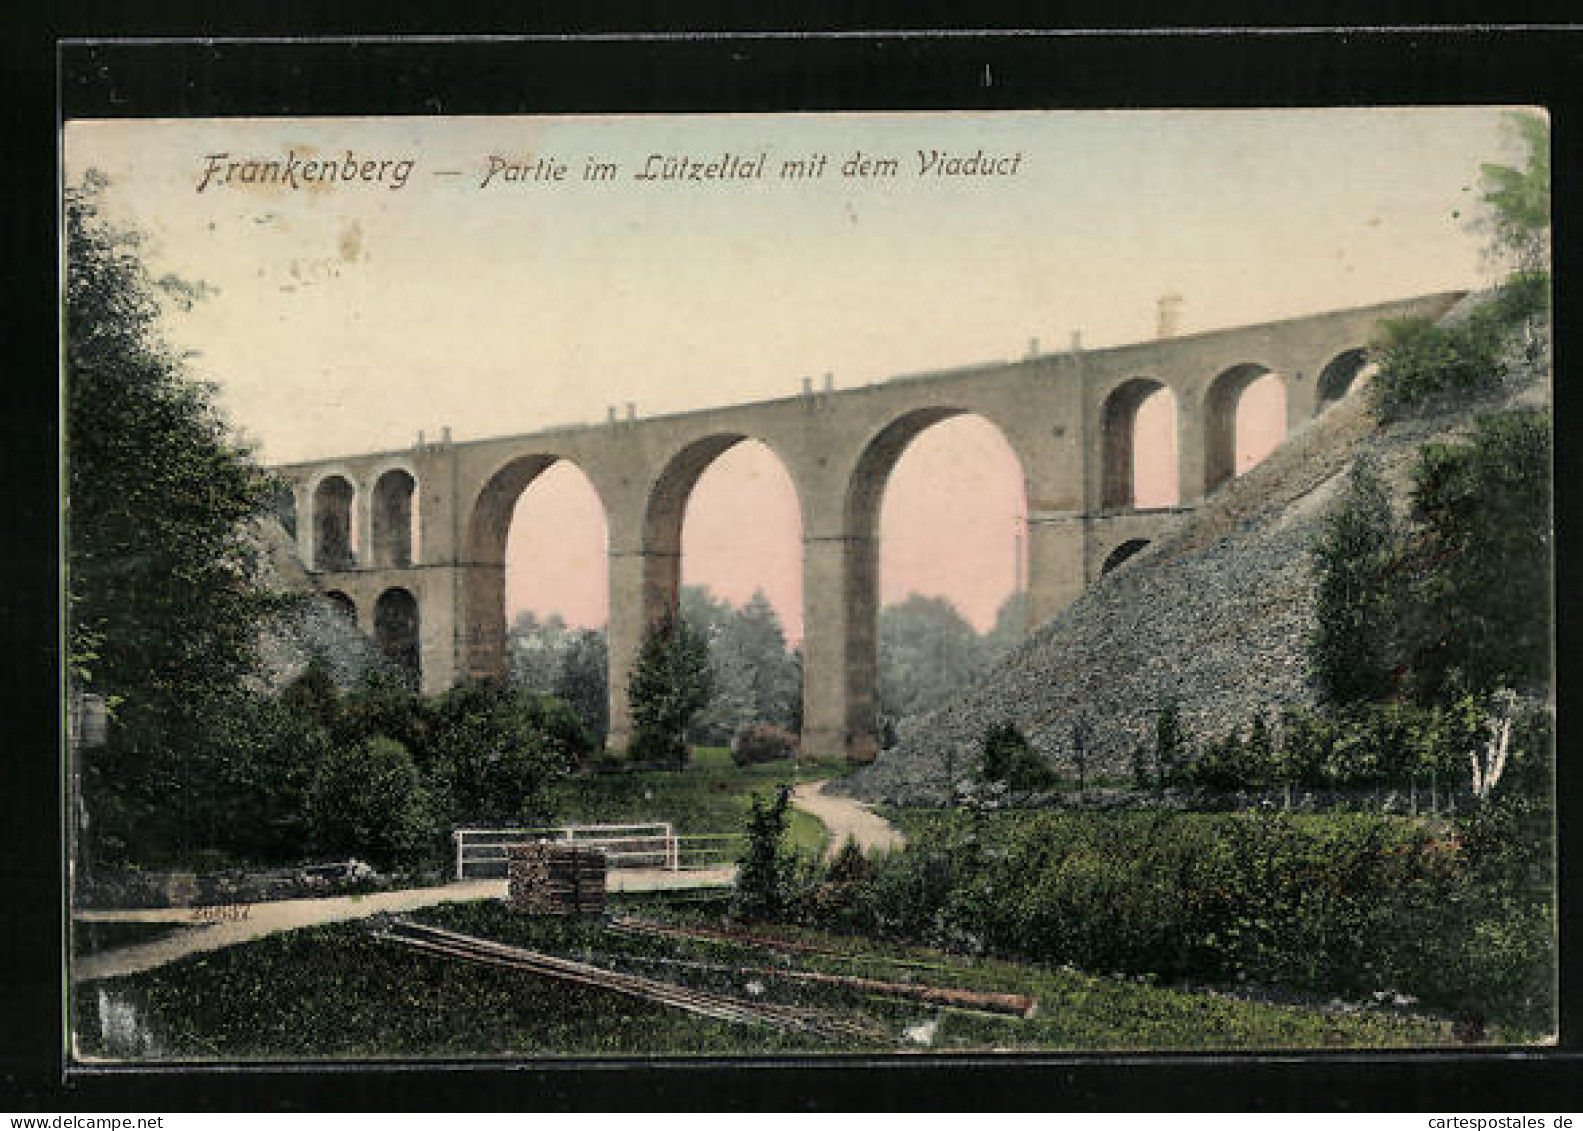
(658, 72)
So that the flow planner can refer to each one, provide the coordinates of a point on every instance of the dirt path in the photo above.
(291, 914)
(844, 818)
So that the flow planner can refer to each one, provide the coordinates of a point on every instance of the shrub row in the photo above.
(1349, 904)
(379, 773)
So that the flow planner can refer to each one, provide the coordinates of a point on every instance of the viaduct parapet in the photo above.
(436, 601)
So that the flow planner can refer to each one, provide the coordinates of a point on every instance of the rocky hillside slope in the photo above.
(1214, 614)
(317, 630)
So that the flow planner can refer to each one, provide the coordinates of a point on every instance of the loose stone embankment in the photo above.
(1213, 616)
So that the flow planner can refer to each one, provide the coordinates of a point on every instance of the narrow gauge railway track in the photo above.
(704, 1003)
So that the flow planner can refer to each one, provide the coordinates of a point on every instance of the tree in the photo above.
(498, 750)
(1349, 650)
(164, 604)
(1082, 742)
(535, 650)
(1479, 563)
(1010, 628)
(583, 681)
(670, 684)
(756, 679)
(1007, 756)
(927, 652)
(1518, 200)
(1170, 746)
(764, 881)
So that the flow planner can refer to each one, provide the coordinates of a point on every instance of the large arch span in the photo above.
(1064, 415)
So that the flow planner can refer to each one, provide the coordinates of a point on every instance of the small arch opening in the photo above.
(334, 547)
(342, 604)
(283, 505)
(1139, 466)
(393, 521)
(1244, 421)
(396, 630)
(1121, 553)
(1346, 374)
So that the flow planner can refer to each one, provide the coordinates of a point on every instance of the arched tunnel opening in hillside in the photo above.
(343, 605)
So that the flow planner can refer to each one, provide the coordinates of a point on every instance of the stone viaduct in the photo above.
(437, 601)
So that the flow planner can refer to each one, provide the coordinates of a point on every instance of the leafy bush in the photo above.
(762, 743)
(1424, 366)
(497, 750)
(1008, 757)
(1349, 904)
(369, 800)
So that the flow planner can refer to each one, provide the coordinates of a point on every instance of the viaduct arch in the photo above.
(1065, 415)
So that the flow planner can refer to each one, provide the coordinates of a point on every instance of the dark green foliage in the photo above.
(313, 695)
(1171, 749)
(1345, 904)
(927, 653)
(1006, 756)
(765, 743)
(1138, 763)
(670, 684)
(1480, 561)
(765, 878)
(369, 801)
(383, 704)
(497, 750)
(1424, 366)
(1350, 650)
(754, 677)
(1519, 199)
(160, 572)
(1235, 763)
(583, 682)
(164, 611)
(1366, 746)
(827, 893)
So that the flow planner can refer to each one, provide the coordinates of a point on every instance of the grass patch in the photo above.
(337, 992)
(710, 795)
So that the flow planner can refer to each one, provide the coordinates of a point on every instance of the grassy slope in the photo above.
(335, 992)
(710, 796)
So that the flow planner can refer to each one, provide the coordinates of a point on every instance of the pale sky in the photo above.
(349, 316)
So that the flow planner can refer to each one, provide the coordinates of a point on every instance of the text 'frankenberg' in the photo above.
(295, 172)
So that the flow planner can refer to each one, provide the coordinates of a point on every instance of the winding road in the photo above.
(845, 818)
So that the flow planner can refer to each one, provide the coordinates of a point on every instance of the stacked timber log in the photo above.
(547, 878)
